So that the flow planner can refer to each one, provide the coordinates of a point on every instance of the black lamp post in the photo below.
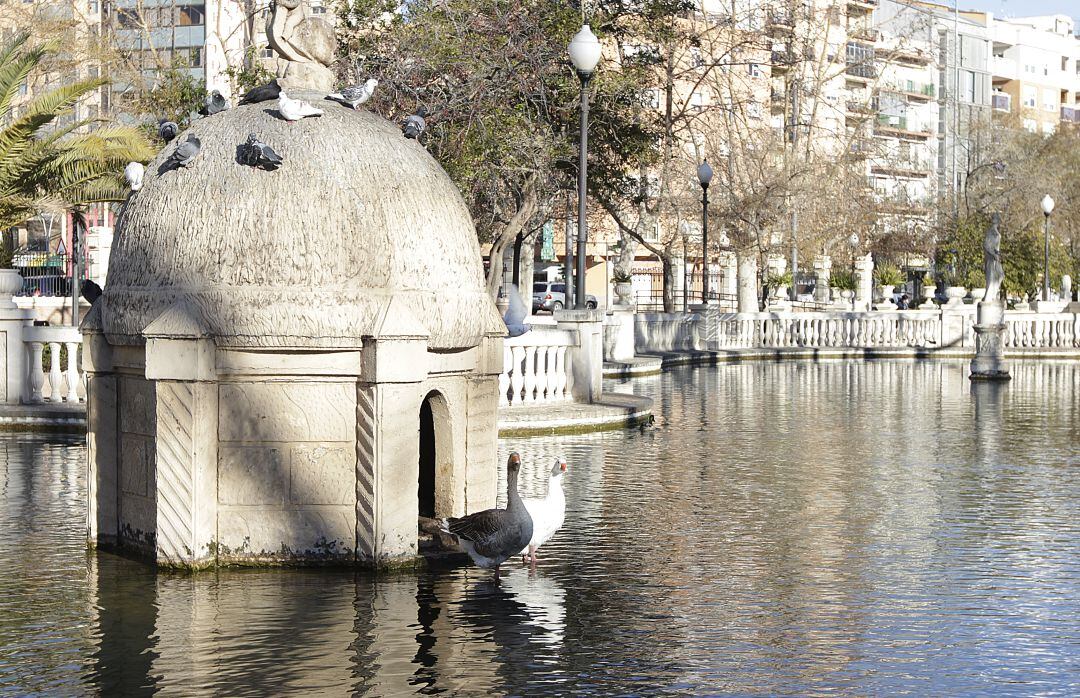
(853, 240)
(1048, 208)
(584, 54)
(704, 175)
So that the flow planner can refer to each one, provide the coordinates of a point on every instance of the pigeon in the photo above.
(167, 130)
(185, 152)
(356, 95)
(415, 124)
(215, 103)
(90, 291)
(133, 173)
(255, 153)
(293, 109)
(262, 93)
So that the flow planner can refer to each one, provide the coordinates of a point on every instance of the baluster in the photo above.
(37, 373)
(552, 373)
(567, 373)
(504, 377)
(73, 371)
(517, 380)
(56, 377)
(530, 374)
(541, 374)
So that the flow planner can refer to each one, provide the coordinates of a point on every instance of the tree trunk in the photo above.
(748, 300)
(669, 282)
(528, 201)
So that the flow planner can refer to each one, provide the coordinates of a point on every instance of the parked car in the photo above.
(551, 296)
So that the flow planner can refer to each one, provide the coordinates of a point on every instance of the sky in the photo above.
(1023, 8)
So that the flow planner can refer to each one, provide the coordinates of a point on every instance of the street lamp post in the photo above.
(853, 240)
(704, 175)
(584, 54)
(1048, 208)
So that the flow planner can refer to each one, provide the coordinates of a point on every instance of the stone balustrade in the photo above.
(948, 329)
(65, 380)
(537, 367)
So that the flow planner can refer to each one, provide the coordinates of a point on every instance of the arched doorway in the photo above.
(435, 461)
(425, 490)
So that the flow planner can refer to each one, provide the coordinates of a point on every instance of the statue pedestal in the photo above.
(989, 362)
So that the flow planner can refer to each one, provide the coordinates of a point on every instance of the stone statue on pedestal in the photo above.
(992, 260)
(305, 46)
(989, 361)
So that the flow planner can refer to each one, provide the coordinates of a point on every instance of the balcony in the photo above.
(860, 108)
(911, 168)
(1000, 101)
(779, 22)
(1070, 115)
(914, 91)
(861, 6)
(899, 127)
(907, 55)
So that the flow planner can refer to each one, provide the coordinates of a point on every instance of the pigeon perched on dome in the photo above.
(215, 103)
(356, 95)
(255, 153)
(262, 93)
(415, 124)
(167, 130)
(294, 109)
(185, 152)
(133, 173)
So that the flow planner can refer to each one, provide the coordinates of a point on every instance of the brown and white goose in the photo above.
(491, 537)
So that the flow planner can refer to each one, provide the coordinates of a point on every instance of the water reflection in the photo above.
(791, 528)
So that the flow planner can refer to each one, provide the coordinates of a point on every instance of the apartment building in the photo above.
(1036, 70)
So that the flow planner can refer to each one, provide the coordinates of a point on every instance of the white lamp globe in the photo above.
(585, 50)
(704, 173)
(1048, 204)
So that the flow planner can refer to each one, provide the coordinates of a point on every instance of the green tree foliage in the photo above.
(175, 96)
(501, 96)
(249, 74)
(48, 166)
(960, 256)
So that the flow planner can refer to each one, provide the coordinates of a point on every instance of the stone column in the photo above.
(587, 358)
(822, 272)
(619, 334)
(180, 359)
(748, 295)
(730, 275)
(102, 515)
(989, 362)
(393, 364)
(12, 320)
(864, 282)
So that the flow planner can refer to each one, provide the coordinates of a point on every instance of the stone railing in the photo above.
(951, 328)
(1029, 330)
(64, 381)
(537, 367)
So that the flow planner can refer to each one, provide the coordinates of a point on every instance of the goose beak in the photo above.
(562, 465)
(515, 459)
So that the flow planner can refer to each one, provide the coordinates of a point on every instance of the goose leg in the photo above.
(532, 555)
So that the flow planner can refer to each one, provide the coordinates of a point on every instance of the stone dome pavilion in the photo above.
(291, 366)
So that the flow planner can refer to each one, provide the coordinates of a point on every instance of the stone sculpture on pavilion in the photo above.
(989, 361)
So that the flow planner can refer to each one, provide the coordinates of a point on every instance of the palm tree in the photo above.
(48, 166)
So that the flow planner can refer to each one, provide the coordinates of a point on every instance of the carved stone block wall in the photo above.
(136, 437)
(102, 484)
(286, 467)
(481, 474)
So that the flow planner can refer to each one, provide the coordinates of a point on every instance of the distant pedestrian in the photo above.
(904, 303)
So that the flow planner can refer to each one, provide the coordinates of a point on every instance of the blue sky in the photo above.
(1023, 8)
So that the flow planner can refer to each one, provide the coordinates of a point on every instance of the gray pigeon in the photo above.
(167, 130)
(415, 124)
(262, 93)
(356, 95)
(255, 153)
(215, 102)
(185, 152)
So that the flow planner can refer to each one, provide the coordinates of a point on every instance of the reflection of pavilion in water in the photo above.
(274, 632)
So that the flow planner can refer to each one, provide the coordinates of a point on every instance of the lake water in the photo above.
(789, 528)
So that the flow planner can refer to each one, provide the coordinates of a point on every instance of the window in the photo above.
(191, 15)
(753, 110)
(1030, 96)
(266, 52)
(755, 70)
(967, 85)
(318, 10)
(696, 60)
(128, 19)
(1031, 125)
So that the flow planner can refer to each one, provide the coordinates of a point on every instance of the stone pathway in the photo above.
(44, 417)
(613, 411)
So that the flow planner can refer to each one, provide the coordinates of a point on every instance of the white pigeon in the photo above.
(356, 95)
(133, 173)
(547, 513)
(294, 110)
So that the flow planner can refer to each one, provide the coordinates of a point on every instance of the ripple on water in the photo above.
(793, 528)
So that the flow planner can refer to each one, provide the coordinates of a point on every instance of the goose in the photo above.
(547, 513)
(492, 536)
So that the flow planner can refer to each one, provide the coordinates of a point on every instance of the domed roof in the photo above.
(310, 255)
